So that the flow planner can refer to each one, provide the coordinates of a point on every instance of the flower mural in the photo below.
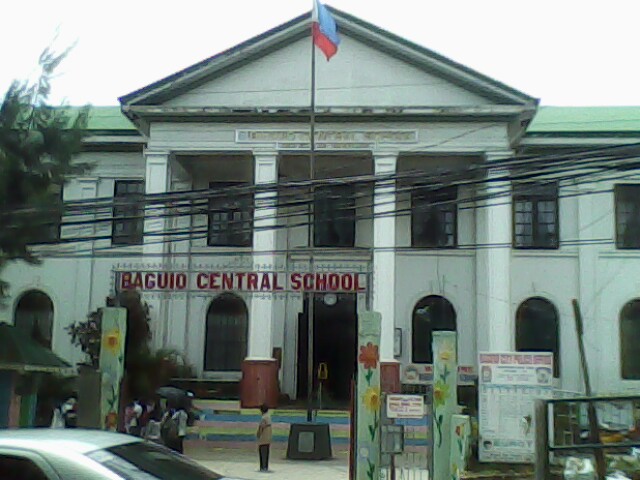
(112, 363)
(369, 397)
(112, 341)
(372, 399)
(444, 401)
(369, 356)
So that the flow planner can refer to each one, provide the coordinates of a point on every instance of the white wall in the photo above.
(358, 76)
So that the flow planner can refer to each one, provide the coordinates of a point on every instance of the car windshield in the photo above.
(146, 461)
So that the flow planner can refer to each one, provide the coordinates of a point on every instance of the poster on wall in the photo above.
(422, 374)
(509, 384)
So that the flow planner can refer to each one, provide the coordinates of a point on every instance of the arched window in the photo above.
(34, 315)
(630, 340)
(538, 329)
(432, 313)
(226, 334)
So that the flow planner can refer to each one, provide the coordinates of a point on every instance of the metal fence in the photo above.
(584, 426)
(406, 445)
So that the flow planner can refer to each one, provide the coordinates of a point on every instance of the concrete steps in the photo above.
(223, 424)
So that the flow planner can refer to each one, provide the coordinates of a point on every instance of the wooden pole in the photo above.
(594, 436)
(541, 469)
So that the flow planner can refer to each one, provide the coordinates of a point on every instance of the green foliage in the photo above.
(145, 370)
(38, 143)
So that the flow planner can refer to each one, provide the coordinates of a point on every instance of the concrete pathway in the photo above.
(244, 465)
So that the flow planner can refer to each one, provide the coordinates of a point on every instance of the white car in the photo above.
(66, 454)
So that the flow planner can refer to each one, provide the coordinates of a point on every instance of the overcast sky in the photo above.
(564, 52)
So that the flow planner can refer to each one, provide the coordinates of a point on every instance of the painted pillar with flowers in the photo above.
(445, 400)
(114, 329)
(368, 397)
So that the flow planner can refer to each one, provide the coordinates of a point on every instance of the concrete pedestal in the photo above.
(309, 441)
(390, 377)
(259, 384)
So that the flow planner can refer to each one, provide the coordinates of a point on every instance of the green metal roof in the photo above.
(582, 120)
(548, 120)
(106, 119)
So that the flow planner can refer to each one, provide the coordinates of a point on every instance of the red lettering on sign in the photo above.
(334, 282)
(149, 281)
(265, 284)
(307, 280)
(163, 280)
(201, 281)
(321, 282)
(181, 281)
(357, 286)
(252, 281)
(296, 282)
(137, 281)
(213, 281)
(125, 280)
(276, 286)
(240, 277)
(347, 282)
(227, 281)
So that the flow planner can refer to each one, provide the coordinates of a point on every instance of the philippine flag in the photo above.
(325, 30)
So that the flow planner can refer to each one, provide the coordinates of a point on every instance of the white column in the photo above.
(157, 180)
(495, 327)
(261, 317)
(178, 307)
(384, 257)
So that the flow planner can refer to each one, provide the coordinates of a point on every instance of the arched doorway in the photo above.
(226, 334)
(630, 340)
(538, 329)
(431, 314)
(34, 315)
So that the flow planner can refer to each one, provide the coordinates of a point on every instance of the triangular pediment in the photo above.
(373, 68)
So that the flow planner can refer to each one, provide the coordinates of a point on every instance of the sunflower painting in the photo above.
(445, 400)
(111, 341)
(112, 363)
(368, 397)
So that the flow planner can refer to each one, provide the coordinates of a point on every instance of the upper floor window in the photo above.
(230, 216)
(630, 340)
(535, 216)
(434, 218)
(128, 212)
(627, 199)
(538, 329)
(50, 223)
(334, 216)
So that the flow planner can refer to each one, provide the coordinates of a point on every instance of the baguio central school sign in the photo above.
(265, 282)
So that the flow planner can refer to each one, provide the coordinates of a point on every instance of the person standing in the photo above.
(174, 428)
(69, 410)
(264, 435)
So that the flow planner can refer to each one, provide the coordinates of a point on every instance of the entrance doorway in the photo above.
(335, 343)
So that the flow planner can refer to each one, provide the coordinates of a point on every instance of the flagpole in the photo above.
(310, 229)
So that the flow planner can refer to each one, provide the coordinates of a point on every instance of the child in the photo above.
(264, 438)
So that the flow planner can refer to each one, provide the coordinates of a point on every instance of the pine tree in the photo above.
(38, 143)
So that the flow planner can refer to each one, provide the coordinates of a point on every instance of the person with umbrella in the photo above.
(174, 423)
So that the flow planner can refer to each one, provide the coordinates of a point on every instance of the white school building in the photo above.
(460, 232)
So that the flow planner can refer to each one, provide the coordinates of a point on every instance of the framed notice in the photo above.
(509, 384)
(405, 406)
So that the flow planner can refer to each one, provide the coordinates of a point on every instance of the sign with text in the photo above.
(405, 406)
(422, 374)
(265, 282)
(509, 384)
